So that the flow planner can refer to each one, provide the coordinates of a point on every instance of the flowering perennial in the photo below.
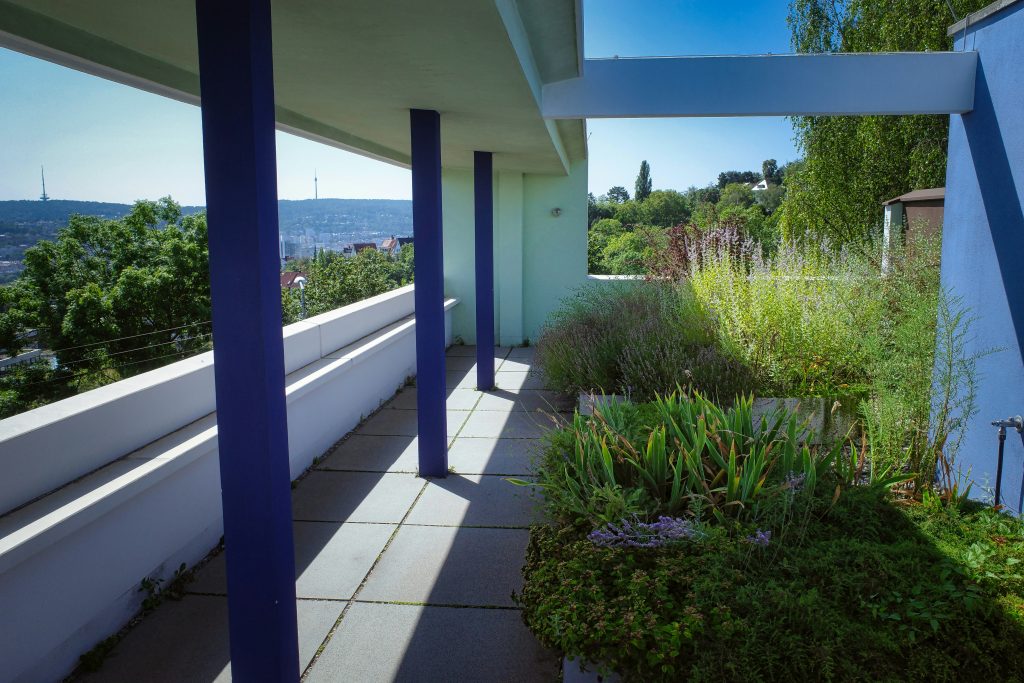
(632, 533)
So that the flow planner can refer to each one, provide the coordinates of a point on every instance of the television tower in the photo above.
(43, 197)
(316, 192)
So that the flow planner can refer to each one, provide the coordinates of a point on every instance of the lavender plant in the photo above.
(633, 533)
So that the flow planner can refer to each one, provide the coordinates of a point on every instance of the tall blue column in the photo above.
(425, 127)
(483, 195)
(237, 89)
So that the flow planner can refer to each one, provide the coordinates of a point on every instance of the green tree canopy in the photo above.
(334, 280)
(665, 209)
(643, 182)
(120, 294)
(853, 164)
(737, 194)
(732, 177)
(618, 194)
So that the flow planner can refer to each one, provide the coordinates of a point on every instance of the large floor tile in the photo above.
(459, 363)
(407, 643)
(524, 401)
(326, 496)
(457, 399)
(460, 380)
(404, 423)
(527, 353)
(331, 560)
(514, 457)
(510, 425)
(450, 566)
(474, 500)
(516, 365)
(371, 453)
(519, 380)
(468, 350)
(187, 640)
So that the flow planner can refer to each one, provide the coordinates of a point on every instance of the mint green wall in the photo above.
(539, 257)
(554, 248)
(457, 231)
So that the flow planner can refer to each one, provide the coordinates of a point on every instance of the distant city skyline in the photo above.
(103, 141)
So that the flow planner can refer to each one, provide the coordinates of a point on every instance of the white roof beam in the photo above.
(767, 85)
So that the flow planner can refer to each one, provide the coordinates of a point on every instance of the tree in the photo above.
(853, 164)
(770, 172)
(627, 254)
(736, 194)
(731, 177)
(643, 182)
(597, 239)
(117, 297)
(334, 280)
(618, 194)
(665, 209)
(771, 198)
(597, 210)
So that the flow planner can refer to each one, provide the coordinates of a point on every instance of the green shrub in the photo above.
(724, 319)
(682, 455)
(640, 339)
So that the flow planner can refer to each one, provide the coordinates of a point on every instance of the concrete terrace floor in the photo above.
(399, 578)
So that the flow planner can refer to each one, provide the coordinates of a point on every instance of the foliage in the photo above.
(918, 409)
(664, 209)
(24, 386)
(334, 280)
(870, 591)
(729, 320)
(637, 339)
(618, 194)
(731, 177)
(795, 318)
(643, 186)
(110, 298)
(675, 456)
(771, 198)
(141, 281)
(771, 172)
(853, 164)
(601, 231)
(736, 194)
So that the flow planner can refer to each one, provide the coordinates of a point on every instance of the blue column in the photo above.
(237, 88)
(483, 195)
(425, 127)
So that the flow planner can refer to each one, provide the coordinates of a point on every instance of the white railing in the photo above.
(123, 481)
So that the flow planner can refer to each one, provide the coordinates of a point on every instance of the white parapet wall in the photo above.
(123, 482)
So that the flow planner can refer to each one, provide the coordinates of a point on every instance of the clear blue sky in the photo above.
(107, 142)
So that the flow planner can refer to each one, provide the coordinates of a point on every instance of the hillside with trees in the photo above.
(624, 233)
(109, 298)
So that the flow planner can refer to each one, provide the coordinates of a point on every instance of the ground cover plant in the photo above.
(691, 542)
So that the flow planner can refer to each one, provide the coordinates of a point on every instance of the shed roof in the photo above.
(929, 195)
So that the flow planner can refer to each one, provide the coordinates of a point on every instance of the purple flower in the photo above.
(632, 533)
(795, 482)
(760, 538)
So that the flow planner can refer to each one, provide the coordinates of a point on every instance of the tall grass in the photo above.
(796, 319)
(723, 318)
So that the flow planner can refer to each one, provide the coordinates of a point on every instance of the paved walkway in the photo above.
(399, 578)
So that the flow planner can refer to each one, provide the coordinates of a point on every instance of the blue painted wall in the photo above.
(982, 239)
